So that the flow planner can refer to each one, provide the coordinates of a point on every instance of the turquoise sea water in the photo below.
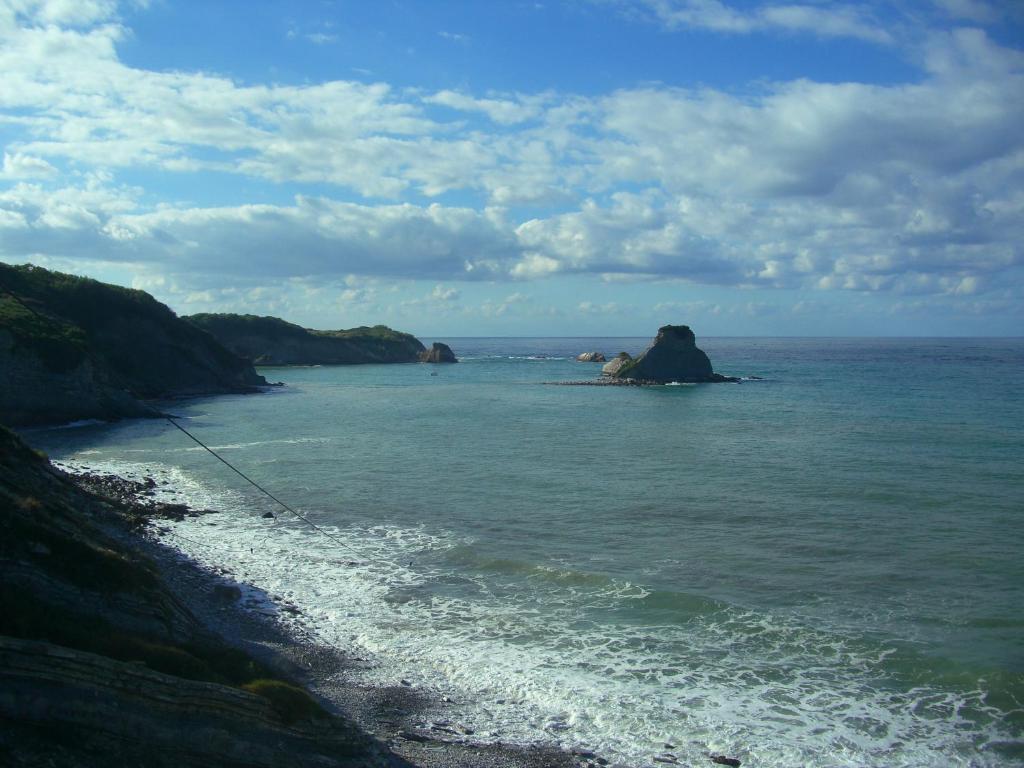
(821, 568)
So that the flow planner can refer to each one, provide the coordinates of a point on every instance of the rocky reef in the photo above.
(672, 356)
(438, 353)
(273, 341)
(75, 348)
(590, 357)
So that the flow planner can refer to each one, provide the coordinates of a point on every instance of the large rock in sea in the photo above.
(673, 356)
(590, 357)
(438, 353)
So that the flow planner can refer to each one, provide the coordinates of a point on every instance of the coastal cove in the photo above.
(819, 567)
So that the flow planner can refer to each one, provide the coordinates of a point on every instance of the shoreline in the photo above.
(409, 722)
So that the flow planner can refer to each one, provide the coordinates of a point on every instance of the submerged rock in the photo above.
(590, 357)
(438, 353)
(673, 356)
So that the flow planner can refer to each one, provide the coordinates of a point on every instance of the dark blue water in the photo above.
(821, 567)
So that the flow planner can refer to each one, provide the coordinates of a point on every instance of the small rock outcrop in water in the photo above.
(590, 357)
(612, 368)
(438, 353)
(673, 356)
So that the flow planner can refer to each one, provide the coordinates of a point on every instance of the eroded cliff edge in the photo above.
(75, 348)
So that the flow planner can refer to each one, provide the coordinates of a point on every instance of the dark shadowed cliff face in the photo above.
(673, 356)
(74, 348)
(100, 663)
(273, 341)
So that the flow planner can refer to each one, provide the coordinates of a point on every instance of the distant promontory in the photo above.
(273, 341)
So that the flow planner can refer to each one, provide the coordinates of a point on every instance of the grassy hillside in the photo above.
(273, 341)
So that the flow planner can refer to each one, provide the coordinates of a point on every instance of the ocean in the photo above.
(823, 566)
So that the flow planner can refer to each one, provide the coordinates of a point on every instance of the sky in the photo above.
(512, 168)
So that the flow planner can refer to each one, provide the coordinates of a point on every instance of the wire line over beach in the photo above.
(268, 494)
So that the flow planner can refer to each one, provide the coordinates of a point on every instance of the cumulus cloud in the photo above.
(914, 188)
(20, 166)
(315, 236)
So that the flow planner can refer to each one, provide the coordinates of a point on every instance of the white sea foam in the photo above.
(523, 657)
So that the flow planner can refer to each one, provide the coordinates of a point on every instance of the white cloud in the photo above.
(908, 188)
(502, 111)
(441, 293)
(321, 38)
(820, 20)
(20, 166)
(454, 37)
(315, 236)
(74, 13)
(977, 11)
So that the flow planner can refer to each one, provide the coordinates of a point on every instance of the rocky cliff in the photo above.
(74, 348)
(613, 366)
(672, 356)
(438, 353)
(273, 341)
(101, 665)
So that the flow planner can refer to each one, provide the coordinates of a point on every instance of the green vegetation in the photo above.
(225, 322)
(375, 333)
(273, 341)
(220, 322)
(82, 298)
(59, 344)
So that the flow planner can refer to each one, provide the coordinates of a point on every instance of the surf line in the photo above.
(303, 518)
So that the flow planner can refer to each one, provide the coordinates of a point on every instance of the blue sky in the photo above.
(587, 167)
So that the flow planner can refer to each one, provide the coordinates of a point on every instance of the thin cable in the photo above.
(256, 485)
